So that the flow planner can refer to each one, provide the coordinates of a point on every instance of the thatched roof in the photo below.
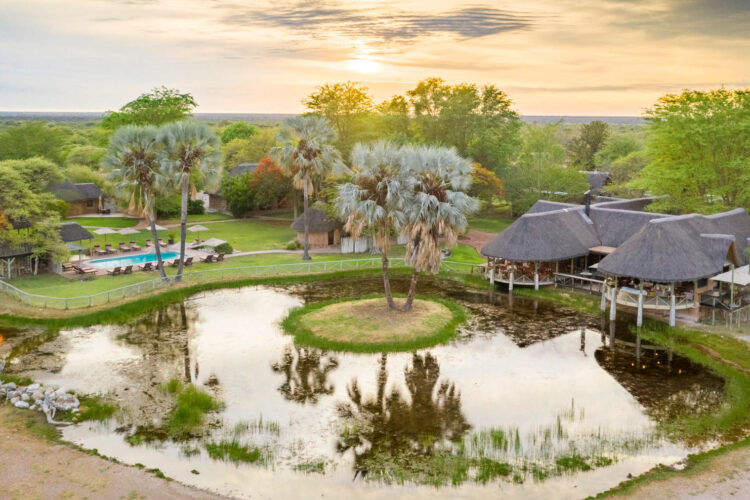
(596, 180)
(320, 222)
(615, 226)
(548, 236)
(6, 251)
(82, 191)
(681, 248)
(242, 168)
(72, 231)
(549, 206)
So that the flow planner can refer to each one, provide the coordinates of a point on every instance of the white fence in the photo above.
(207, 275)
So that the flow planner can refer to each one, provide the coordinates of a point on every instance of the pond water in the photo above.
(531, 399)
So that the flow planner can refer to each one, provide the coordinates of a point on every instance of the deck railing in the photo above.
(580, 282)
(217, 274)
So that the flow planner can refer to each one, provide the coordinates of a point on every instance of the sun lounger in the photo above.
(67, 266)
(98, 250)
(174, 263)
(148, 266)
(161, 243)
(128, 270)
(123, 247)
(220, 257)
(84, 270)
(114, 272)
(133, 246)
(149, 243)
(208, 259)
(109, 249)
(188, 262)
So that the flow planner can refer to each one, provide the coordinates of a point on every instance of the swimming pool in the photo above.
(131, 260)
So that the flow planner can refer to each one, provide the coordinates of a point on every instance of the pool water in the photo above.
(530, 400)
(132, 260)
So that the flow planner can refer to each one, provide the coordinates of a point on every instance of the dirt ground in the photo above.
(32, 467)
(726, 476)
(477, 239)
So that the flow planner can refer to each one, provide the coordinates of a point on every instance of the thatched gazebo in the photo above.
(530, 250)
(324, 230)
(667, 263)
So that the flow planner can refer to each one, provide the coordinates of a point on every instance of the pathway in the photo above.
(477, 239)
(33, 467)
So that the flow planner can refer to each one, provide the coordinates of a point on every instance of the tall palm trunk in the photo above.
(387, 282)
(183, 225)
(155, 236)
(412, 290)
(306, 215)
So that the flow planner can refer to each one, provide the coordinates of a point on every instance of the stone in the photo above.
(15, 400)
(10, 385)
(38, 395)
(25, 396)
(33, 387)
(21, 404)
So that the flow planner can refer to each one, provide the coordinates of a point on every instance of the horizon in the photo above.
(553, 58)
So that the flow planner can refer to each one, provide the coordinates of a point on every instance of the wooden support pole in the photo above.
(672, 306)
(536, 276)
(613, 304)
(639, 321)
(731, 290)
(510, 279)
(604, 297)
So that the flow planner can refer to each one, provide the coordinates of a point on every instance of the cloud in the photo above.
(321, 19)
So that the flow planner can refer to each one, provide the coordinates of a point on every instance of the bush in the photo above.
(224, 248)
(195, 207)
(293, 245)
(168, 207)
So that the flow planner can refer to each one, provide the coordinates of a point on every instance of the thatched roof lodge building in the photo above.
(650, 260)
(324, 230)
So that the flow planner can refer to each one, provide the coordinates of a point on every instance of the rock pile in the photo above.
(36, 397)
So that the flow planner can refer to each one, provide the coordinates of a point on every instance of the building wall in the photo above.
(82, 207)
(320, 240)
(216, 202)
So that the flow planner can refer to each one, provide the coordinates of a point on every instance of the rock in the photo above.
(21, 404)
(38, 395)
(10, 385)
(33, 387)
(25, 396)
(15, 400)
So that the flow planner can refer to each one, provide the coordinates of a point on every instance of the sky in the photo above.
(553, 57)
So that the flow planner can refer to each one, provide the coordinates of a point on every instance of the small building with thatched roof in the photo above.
(82, 197)
(324, 230)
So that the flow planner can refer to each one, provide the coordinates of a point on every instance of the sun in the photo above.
(363, 65)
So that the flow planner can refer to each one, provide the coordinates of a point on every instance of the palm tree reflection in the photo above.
(306, 371)
(389, 430)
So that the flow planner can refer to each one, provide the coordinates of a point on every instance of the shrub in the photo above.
(224, 248)
(195, 207)
(168, 207)
(293, 245)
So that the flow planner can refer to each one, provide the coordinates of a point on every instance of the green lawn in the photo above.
(207, 217)
(490, 223)
(57, 286)
(113, 222)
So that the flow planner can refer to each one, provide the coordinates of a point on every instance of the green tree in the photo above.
(237, 130)
(393, 120)
(616, 147)
(699, 146)
(539, 173)
(485, 185)
(374, 200)
(306, 153)
(90, 156)
(238, 193)
(623, 171)
(249, 150)
(23, 202)
(132, 163)
(191, 149)
(38, 173)
(437, 208)
(161, 105)
(583, 147)
(31, 139)
(344, 105)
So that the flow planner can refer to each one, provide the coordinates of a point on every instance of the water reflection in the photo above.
(391, 430)
(305, 371)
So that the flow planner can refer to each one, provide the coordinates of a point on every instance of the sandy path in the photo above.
(32, 467)
(477, 239)
(726, 476)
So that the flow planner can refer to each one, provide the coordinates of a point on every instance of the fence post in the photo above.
(66, 304)
(89, 300)
(107, 297)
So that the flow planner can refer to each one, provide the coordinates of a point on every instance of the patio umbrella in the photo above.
(196, 228)
(105, 231)
(128, 230)
(76, 248)
(212, 242)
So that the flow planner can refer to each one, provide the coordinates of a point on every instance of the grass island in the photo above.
(368, 325)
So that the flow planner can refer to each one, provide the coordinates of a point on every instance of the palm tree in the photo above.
(438, 207)
(132, 163)
(306, 154)
(190, 148)
(375, 200)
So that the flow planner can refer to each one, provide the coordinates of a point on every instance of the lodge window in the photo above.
(89, 203)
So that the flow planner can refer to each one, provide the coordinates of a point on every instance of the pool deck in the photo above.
(189, 252)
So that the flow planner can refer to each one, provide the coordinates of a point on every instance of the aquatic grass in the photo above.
(315, 467)
(192, 405)
(7, 378)
(93, 408)
(233, 451)
(258, 426)
(293, 324)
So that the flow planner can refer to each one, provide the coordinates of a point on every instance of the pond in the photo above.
(531, 399)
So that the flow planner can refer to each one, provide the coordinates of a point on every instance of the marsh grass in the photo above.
(314, 467)
(93, 408)
(233, 451)
(192, 404)
(258, 426)
(440, 332)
